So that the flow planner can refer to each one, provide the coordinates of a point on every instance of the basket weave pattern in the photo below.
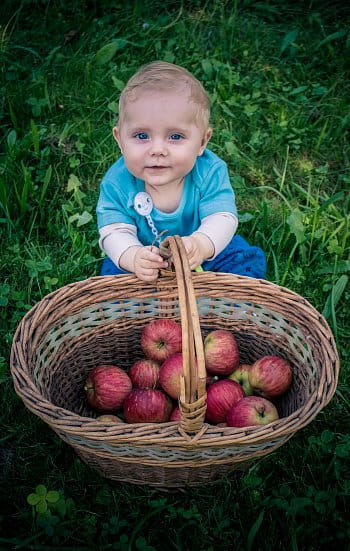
(100, 320)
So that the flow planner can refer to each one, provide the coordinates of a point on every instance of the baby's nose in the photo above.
(158, 147)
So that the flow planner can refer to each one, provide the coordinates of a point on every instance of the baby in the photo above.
(167, 182)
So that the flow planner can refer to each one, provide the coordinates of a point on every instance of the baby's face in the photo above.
(160, 138)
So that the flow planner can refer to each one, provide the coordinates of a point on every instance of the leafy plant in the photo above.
(43, 500)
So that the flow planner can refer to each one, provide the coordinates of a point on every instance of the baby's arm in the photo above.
(212, 236)
(120, 243)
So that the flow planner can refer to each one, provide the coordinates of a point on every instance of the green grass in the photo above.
(278, 76)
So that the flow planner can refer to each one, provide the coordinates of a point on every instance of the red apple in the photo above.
(109, 419)
(241, 376)
(144, 374)
(270, 376)
(161, 338)
(221, 396)
(147, 406)
(251, 410)
(106, 387)
(169, 375)
(175, 414)
(221, 352)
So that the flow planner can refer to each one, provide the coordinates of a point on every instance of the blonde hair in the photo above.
(164, 76)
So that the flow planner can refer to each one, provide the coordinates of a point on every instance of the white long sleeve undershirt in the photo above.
(115, 239)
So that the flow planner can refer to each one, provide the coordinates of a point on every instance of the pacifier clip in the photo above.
(143, 205)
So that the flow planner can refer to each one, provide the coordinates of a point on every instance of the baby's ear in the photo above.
(206, 137)
(116, 135)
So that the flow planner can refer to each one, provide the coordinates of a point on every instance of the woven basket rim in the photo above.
(111, 432)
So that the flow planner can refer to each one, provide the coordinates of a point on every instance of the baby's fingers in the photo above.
(147, 275)
(154, 257)
(188, 245)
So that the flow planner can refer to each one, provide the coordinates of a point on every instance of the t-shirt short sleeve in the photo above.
(116, 196)
(216, 193)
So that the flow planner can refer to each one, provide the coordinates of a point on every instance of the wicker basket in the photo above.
(100, 320)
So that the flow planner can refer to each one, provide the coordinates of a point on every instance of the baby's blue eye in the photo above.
(176, 137)
(142, 136)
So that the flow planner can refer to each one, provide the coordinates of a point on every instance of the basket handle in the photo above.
(193, 394)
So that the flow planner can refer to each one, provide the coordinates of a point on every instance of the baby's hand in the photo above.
(194, 251)
(198, 247)
(147, 263)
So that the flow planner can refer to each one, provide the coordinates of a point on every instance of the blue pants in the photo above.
(237, 258)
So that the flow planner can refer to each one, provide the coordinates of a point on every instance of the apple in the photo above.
(221, 396)
(251, 410)
(270, 376)
(241, 376)
(161, 338)
(221, 352)
(175, 414)
(147, 406)
(109, 419)
(170, 373)
(144, 374)
(106, 387)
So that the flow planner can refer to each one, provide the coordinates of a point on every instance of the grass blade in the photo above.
(27, 186)
(275, 266)
(288, 40)
(254, 530)
(336, 197)
(108, 51)
(334, 296)
(35, 137)
(4, 196)
(46, 181)
(331, 37)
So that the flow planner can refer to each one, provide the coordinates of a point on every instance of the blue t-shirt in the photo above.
(207, 190)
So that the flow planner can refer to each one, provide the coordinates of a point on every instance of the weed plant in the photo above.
(278, 77)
